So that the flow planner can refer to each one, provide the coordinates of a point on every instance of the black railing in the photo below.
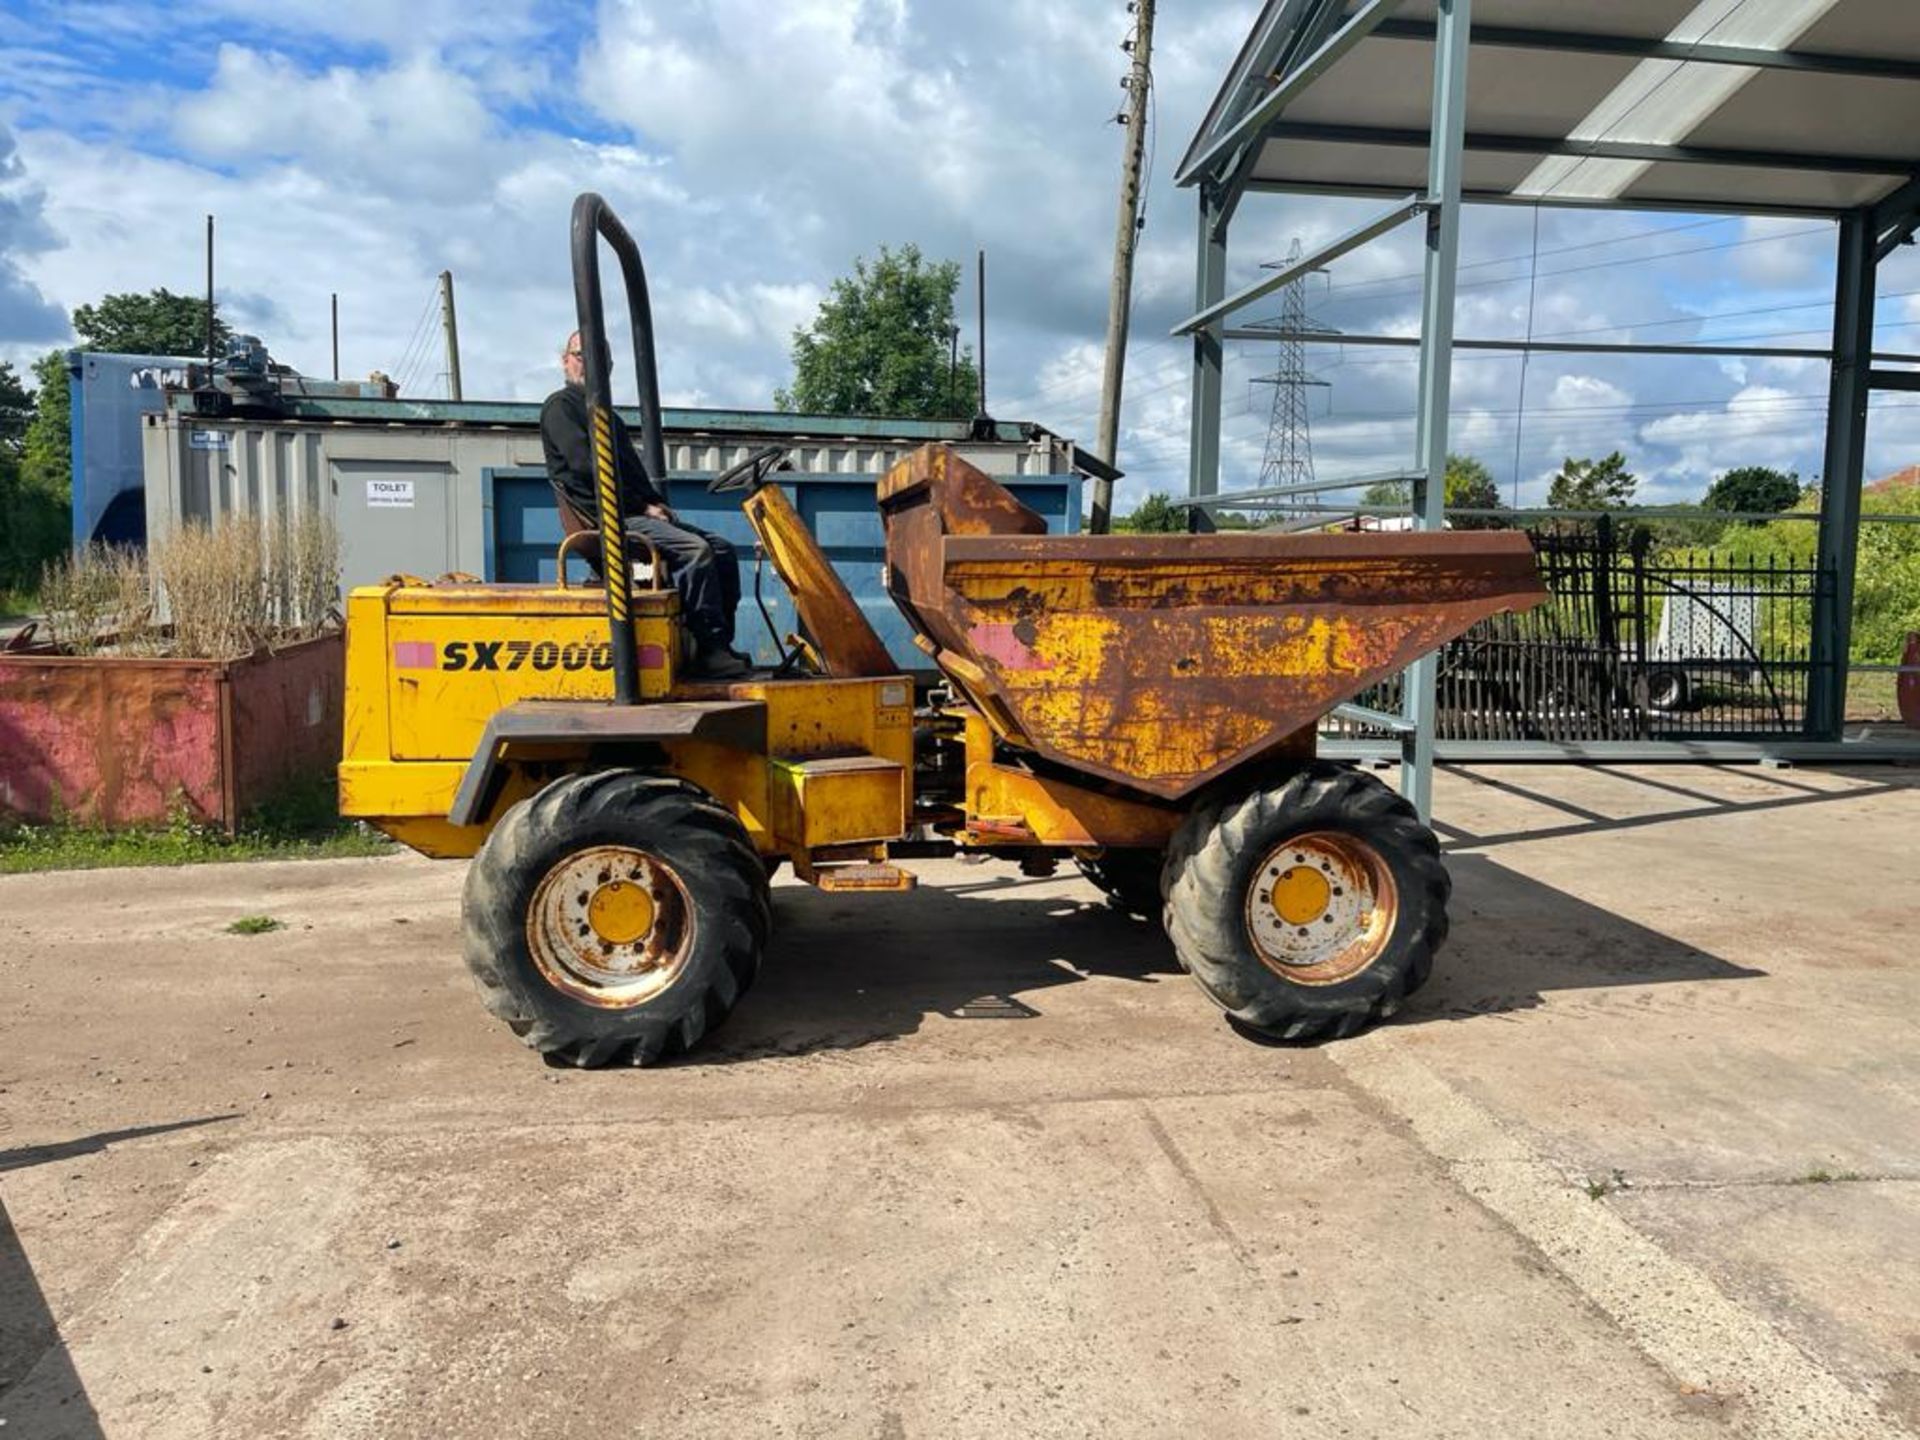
(1639, 641)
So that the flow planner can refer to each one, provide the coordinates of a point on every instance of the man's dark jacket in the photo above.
(563, 434)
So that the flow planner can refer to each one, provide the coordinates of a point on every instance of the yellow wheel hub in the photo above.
(1300, 896)
(620, 912)
(1321, 907)
(611, 925)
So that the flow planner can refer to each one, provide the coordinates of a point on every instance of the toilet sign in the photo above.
(389, 494)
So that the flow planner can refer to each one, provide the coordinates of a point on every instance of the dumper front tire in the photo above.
(1308, 909)
(615, 917)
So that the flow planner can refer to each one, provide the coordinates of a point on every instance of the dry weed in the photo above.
(99, 599)
(216, 583)
(133, 627)
(303, 565)
(231, 589)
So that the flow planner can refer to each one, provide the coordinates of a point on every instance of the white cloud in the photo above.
(417, 129)
(1586, 392)
(756, 148)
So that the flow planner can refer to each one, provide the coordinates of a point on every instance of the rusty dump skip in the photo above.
(1163, 661)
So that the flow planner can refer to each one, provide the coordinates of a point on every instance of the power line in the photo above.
(1027, 401)
(1630, 260)
(403, 373)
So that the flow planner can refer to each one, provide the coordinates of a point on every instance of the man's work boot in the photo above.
(717, 663)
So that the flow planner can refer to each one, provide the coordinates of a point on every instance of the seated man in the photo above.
(703, 568)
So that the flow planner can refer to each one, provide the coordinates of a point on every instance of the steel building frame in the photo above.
(1295, 43)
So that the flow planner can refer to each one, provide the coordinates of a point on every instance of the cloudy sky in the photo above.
(756, 147)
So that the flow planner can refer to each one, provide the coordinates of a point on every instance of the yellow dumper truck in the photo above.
(1143, 705)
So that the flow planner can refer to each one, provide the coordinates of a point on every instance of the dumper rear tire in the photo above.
(1308, 909)
(1129, 878)
(615, 917)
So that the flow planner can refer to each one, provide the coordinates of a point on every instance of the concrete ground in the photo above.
(1643, 1159)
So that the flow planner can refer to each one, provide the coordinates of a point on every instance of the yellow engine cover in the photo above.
(429, 665)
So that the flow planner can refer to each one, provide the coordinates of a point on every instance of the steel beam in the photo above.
(1895, 218)
(1359, 191)
(1265, 47)
(1367, 715)
(1286, 274)
(1309, 34)
(1635, 47)
(1546, 347)
(1838, 547)
(1866, 751)
(1299, 77)
(1493, 143)
(1279, 492)
(1908, 380)
(1445, 154)
(1209, 352)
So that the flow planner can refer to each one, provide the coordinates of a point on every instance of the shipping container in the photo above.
(429, 488)
(107, 396)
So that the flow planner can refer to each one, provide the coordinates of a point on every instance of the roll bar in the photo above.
(593, 221)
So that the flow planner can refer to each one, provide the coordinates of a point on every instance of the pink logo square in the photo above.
(415, 655)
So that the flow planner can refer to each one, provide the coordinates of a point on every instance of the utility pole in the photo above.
(453, 334)
(980, 417)
(1126, 237)
(210, 355)
(336, 336)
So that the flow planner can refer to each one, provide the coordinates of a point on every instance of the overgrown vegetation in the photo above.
(36, 454)
(223, 591)
(302, 823)
(33, 509)
(1886, 591)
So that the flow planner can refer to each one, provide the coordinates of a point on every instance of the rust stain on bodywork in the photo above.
(1162, 661)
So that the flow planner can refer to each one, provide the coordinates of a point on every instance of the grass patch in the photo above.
(255, 925)
(1873, 695)
(17, 605)
(1818, 1176)
(1601, 1186)
(302, 823)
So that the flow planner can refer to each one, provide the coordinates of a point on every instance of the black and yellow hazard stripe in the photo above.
(613, 534)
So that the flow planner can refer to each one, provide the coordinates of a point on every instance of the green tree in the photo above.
(156, 323)
(16, 408)
(36, 491)
(33, 483)
(1593, 484)
(1470, 486)
(1156, 515)
(882, 344)
(1754, 489)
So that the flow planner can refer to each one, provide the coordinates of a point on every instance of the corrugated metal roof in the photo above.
(1609, 103)
(673, 420)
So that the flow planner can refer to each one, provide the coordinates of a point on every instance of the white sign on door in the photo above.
(389, 494)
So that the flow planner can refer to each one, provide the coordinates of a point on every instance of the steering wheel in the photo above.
(751, 473)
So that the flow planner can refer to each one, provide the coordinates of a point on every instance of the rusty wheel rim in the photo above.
(611, 925)
(1321, 907)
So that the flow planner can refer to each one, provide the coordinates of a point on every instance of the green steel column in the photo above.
(1839, 544)
(1446, 141)
(1210, 287)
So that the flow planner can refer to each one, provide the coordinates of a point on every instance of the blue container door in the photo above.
(524, 532)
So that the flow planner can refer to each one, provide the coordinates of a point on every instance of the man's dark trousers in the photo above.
(705, 569)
